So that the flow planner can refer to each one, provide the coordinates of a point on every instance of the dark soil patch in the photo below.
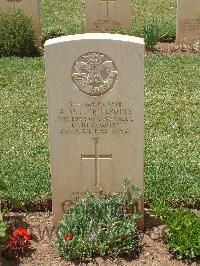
(167, 48)
(151, 250)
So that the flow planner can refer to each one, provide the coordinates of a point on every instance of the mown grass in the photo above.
(171, 128)
(24, 136)
(61, 14)
(68, 16)
(172, 120)
(160, 13)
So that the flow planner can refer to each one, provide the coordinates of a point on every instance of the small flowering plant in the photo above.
(100, 225)
(18, 242)
(68, 237)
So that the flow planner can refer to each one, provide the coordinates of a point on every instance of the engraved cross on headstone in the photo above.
(107, 2)
(14, 3)
(96, 157)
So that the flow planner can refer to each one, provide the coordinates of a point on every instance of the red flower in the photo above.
(18, 242)
(22, 232)
(68, 237)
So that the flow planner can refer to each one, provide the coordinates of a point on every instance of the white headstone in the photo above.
(188, 21)
(95, 105)
(107, 15)
(30, 7)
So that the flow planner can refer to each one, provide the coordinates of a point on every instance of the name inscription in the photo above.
(105, 25)
(192, 24)
(95, 118)
(75, 197)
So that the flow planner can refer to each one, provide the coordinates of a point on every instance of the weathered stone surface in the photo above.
(188, 21)
(107, 15)
(95, 105)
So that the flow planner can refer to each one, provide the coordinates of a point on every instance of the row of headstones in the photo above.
(106, 15)
(95, 88)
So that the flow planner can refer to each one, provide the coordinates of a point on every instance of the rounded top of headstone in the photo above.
(95, 36)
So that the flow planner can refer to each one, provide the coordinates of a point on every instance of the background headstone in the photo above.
(6, 4)
(107, 15)
(95, 105)
(29, 7)
(188, 20)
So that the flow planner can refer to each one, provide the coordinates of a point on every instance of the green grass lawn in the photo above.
(23, 114)
(67, 16)
(171, 128)
(172, 119)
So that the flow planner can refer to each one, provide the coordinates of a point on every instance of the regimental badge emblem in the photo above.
(94, 74)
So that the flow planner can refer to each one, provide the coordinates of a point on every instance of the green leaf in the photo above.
(3, 228)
